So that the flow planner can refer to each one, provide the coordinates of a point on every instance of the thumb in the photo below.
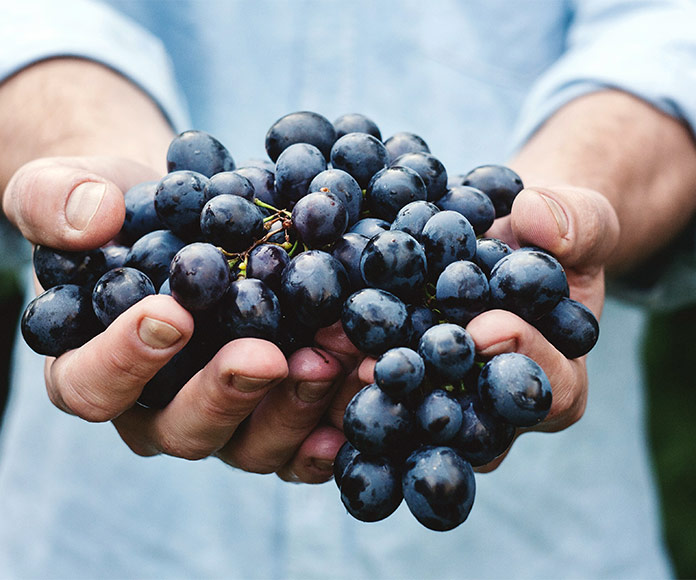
(71, 203)
(579, 226)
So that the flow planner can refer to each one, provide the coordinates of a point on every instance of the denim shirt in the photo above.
(473, 78)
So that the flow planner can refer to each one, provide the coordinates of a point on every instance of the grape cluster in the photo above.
(339, 225)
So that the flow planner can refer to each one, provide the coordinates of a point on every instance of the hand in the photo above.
(248, 406)
(580, 227)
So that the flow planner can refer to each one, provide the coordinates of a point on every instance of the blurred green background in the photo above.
(670, 352)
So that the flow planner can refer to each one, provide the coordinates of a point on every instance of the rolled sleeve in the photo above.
(37, 30)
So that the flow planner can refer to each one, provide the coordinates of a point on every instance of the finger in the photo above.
(104, 377)
(71, 203)
(333, 340)
(578, 226)
(313, 462)
(286, 415)
(497, 331)
(208, 409)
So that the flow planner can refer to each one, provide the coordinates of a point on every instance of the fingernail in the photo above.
(311, 392)
(323, 464)
(509, 345)
(157, 334)
(558, 214)
(247, 384)
(83, 203)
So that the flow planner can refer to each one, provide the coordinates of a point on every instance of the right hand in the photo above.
(248, 406)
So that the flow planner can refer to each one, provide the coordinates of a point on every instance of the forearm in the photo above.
(642, 160)
(77, 107)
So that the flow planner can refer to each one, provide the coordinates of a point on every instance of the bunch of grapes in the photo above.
(338, 224)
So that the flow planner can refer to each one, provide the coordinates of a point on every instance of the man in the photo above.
(602, 136)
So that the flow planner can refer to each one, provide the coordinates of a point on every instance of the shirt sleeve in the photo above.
(35, 30)
(644, 47)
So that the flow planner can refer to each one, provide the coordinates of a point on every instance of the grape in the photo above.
(528, 282)
(446, 238)
(356, 123)
(266, 263)
(198, 276)
(141, 216)
(412, 217)
(315, 285)
(348, 249)
(429, 168)
(249, 308)
(59, 319)
(439, 417)
(399, 371)
(394, 261)
(462, 291)
(179, 199)
(153, 253)
(55, 267)
(296, 167)
(263, 182)
(404, 142)
(115, 256)
(516, 388)
(472, 203)
(439, 487)
(231, 222)
(229, 182)
(498, 182)
(448, 352)
(359, 154)
(488, 252)
(300, 127)
(345, 455)
(118, 290)
(376, 424)
(343, 186)
(371, 488)
(320, 218)
(168, 381)
(200, 152)
(392, 188)
(571, 327)
(420, 319)
(369, 226)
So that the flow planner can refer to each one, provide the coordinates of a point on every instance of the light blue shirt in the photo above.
(474, 78)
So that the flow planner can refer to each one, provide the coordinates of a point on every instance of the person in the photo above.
(582, 98)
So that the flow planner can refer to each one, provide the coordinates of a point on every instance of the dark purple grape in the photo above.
(314, 286)
(528, 282)
(571, 327)
(320, 218)
(375, 321)
(179, 199)
(345, 455)
(115, 256)
(516, 388)
(448, 352)
(296, 167)
(369, 227)
(55, 267)
(263, 181)
(229, 183)
(141, 217)
(60, 319)
(438, 417)
(348, 249)
(391, 189)
(472, 203)
(394, 261)
(482, 436)
(118, 290)
(257, 162)
(439, 487)
(404, 142)
(498, 182)
(200, 152)
(359, 154)
(412, 217)
(300, 127)
(159, 391)
(342, 185)
(462, 292)
(371, 488)
(420, 318)
(231, 222)
(356, 123)
(293, 334)
(266, 262)
(376, 424)
(153, 253)
(198, 276)
(489, 251)
(399, 372)
(249, 309)
(447, 237)
(429, 168)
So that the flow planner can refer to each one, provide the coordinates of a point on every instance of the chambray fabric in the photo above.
(474, 78)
